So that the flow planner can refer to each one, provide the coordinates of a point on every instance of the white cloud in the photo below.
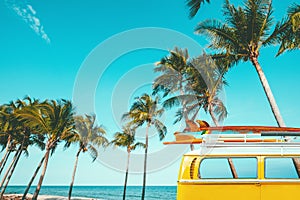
(36, 21)
(28, 14)
(31, 9)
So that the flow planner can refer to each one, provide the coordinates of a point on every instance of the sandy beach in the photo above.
(42, 197)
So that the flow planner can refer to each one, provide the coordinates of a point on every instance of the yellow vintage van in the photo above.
(240, 163)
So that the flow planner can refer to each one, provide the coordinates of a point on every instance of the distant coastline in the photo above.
(97, 192)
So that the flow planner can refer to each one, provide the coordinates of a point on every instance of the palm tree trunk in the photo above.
(185, 114)
(32, 178)
(268, 92)
(10, 166)
(230, 162)
(11, 171)
(270, 97)
(145, 163)
(232, 168)
(74, 172)
(6, 152)
(4, 162)
(212, 115)
(4, 158)
(38, 187)
(126, 174)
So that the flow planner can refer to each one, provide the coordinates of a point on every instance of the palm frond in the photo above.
(137, 145)
(175, 101)
(287, 32)
(178, 116)
(222, 37)
(194, 6)
(161, 128)
(259, 19)
(220, 109)
(93, 152)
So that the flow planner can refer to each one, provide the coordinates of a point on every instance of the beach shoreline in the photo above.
(43, 197)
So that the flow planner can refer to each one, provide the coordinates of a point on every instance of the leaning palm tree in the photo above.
(6, 144)
(12, 127)
(126, 139)
(21, 136)
(22, 148)
(5, 136)
(55, 120)
(241, 37)
(89, 136)
(145, 110)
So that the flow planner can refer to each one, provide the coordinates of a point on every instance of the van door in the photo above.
(233, 178)
(281, 178)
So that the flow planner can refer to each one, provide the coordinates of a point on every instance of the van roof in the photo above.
(247, 149)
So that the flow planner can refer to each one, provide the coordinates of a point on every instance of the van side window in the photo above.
(281, 167)
(245, 167)
(218, 168)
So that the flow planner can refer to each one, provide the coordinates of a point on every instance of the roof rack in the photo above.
(239, 135)
(253, 129)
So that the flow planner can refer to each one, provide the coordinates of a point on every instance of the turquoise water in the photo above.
(104, 192)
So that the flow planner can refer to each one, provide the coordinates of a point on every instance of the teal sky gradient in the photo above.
(32, 66)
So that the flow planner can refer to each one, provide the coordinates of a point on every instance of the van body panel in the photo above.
(280, 190)
(221, 190)
(192, 186)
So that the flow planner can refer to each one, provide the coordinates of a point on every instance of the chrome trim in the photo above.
(249, 144)
(237, 181)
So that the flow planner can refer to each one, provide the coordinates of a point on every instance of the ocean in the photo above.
(104, 192)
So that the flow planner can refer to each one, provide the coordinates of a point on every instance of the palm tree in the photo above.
(203, 82)
(88, 136)
(10, 167)
(213, 76)
(5, 136)
(145, 110)
(173, 80)
(245, 32)
(13, 165)
(194, 83)
(55, 120)
(20, 134)
(126, 139)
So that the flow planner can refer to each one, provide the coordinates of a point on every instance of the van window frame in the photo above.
(226, 157)
(265, 168)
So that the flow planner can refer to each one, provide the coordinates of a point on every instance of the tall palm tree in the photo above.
(145, 110)
(55, 120)
(126, 139)
(89, 136)
(241, 37)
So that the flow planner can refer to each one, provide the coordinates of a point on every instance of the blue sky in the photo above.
(46, 45)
